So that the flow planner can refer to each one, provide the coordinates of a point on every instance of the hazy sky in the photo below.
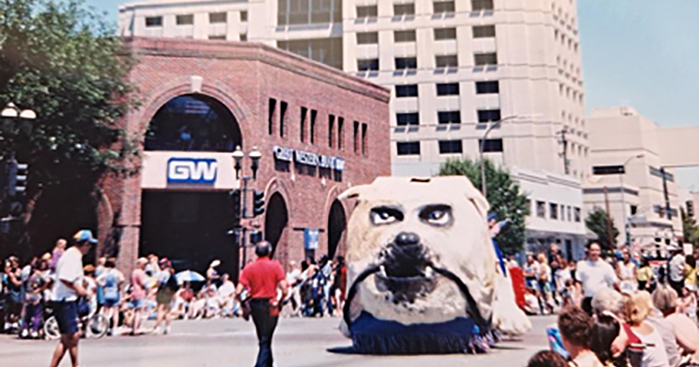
(639, 53)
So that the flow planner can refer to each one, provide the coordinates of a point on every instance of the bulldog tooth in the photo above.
(429, 273)
(383, 270)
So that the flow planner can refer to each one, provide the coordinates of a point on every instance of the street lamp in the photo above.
(238, 156)
(481, 146)
(623, 202)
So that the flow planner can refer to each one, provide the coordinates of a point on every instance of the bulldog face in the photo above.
(426, 237)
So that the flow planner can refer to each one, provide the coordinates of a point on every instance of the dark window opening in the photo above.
(484, 31)
(271, 111)
(491, 145)
(478, 5)
(304, 113)
(409, 90)
(490, 87)
(314, 114)
(368, 11)
(444, 7)
(448, 89)
(405, 119)
(356, 136)
(368, 64)
(445, 34)
(367, 38)
(447, 61)
(185, 19)
(449, 117)
(408, 148)
(282, 115)
(215, 18)
(451, 146)
(324, 50)
(154, 22)
(404, 9)
(331, 130)
(486, 59)
(488, 115)
(406, 63)
(340, 133)
(303, 12)
(404, 36)
(365, 142)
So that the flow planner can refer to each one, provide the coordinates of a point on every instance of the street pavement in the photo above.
(218, 343)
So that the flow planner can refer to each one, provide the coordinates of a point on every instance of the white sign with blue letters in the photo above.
(308, 158)
(192, 171)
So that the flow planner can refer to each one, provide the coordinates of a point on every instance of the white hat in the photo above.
(215, 263)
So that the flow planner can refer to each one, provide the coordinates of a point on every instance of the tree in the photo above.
(504, 196)
(690, 231)
(62, 60)
(597, 222)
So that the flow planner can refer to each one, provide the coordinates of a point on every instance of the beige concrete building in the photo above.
(454, 68)
(621, 137)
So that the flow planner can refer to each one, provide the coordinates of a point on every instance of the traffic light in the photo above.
(258, 203)
(235, 201)
(17, 178)
(690, 208)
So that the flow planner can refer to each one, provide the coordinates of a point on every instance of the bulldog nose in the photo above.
(407, 239)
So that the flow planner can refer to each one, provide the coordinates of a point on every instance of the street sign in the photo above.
(608, 170)
(311, 238)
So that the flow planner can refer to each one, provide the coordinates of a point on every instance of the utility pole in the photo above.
(610, 230)
(564, 154)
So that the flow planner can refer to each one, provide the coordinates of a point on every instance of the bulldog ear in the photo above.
(478, 200)
(353, 192)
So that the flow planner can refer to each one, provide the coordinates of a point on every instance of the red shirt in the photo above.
(261, 277)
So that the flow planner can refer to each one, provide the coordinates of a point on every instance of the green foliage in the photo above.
(690, 231)
(596, 222)
(504, 196)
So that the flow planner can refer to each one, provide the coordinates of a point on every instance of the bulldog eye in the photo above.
(437, 215)
(385, 215)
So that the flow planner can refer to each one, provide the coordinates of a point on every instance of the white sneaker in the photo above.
(24, 334)
(35, 335)
(166, 331)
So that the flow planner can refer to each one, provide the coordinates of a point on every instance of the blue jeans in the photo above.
(264, 325)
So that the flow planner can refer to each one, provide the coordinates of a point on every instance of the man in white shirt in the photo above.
(69, 285)
(594, 274)
(676, 271)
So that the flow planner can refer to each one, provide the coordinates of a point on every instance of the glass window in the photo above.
(489, 87)
(443, 7)
(477, 5)
(341, 133)
(243, 16)
(491, 145)
(367, 38)
(331, 131)
(218, 37)
(243, 37)
(408, 148)
(404, 9)
(488, 115)
(449, 117)
(445, 34)
(185, 19)
(486, 59)
(409, 90)
(154, 22)
(302, 132)
(314, 114)
(553, 210)
(218, 18)
(365, 140)
(541, 209)
(406, 63)
(324, 50)
(404, 36)
(576, 215)
(448, 89)
(484, 31)
(446, 61)
(367, 11)
(367, 64)
(355, 135)
(300, 12)
(451, 146)
(409, 118)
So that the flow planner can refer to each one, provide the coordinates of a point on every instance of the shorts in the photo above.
(137, 303)
(110, 302)
(164, 297)
(66, 313)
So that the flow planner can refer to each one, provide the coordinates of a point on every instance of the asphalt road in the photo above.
(218, 343)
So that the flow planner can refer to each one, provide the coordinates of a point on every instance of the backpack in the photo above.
(171, 284)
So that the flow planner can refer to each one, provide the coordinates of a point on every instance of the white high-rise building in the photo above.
(455, 67)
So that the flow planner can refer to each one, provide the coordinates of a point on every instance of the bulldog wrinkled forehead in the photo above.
(442, 188)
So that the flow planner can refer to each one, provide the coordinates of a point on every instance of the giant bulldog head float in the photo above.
(422, 269)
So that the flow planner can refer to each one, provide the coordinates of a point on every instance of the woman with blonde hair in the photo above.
(544, 282)
(685, 329)
(636, 310)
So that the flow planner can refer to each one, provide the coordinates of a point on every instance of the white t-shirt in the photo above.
(70, 269)
(676, 267)
(594, 276)
(227, 289)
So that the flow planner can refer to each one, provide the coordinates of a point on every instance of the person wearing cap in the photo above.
(139, 282)
(66, 290)
(212, 277)
(164, 294)
(262, 279)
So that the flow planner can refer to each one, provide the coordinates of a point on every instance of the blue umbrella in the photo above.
(189, 276)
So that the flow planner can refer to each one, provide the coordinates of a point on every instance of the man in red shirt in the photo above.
(261, 279)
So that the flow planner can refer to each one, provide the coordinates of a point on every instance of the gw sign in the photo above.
(192, 171)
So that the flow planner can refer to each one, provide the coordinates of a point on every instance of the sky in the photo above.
(638, 53)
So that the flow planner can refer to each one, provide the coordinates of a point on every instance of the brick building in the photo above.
(319, 130)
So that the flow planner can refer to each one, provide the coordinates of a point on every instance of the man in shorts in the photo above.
(66, 290)
(165, 288)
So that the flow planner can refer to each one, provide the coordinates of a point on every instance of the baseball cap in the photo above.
(84, 235)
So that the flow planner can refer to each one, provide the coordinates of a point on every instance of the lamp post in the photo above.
(481, 146)
(627, 238)
(238, 157)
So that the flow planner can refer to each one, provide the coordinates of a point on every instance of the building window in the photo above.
(314, 114)
(302, 128)
(404, 9)
(270, 115)
(553, 210)
(282, 117)
(449, 117)
(451, 146)
(367, 38)
(490, 58)
(444, 34)
(410, 118)
(324, 50)
(409, 90)
(448, 89)
(484, 31)
(355, 135)
(219, 37)
(478, 5)
(490, 87)
(406, 63)
(154, 22)
(331, 130)
(215, 18)
(341, 133)
(184, 19)
(368, 64)
(447, 61)
(365, 142)
(444, 7)
(243, 16)
(408, 148)
(569, 215)
(541, 209)
(404, 36)
(488, 115)
(491, 145)
(367, 11)
(576, 215)
(300, 12)
(243, 37)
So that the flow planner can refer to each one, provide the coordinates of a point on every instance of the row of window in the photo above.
(410, 148)
(447, 117)
(440, 34)
(222, 37)
(438, 7)
(556, 211)
(442, 61)
(448, 89)
(278, 117)
(188, 19)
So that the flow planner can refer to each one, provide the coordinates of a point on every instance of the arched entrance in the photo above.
(276, 221)
(189, 225)
(337, 223)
